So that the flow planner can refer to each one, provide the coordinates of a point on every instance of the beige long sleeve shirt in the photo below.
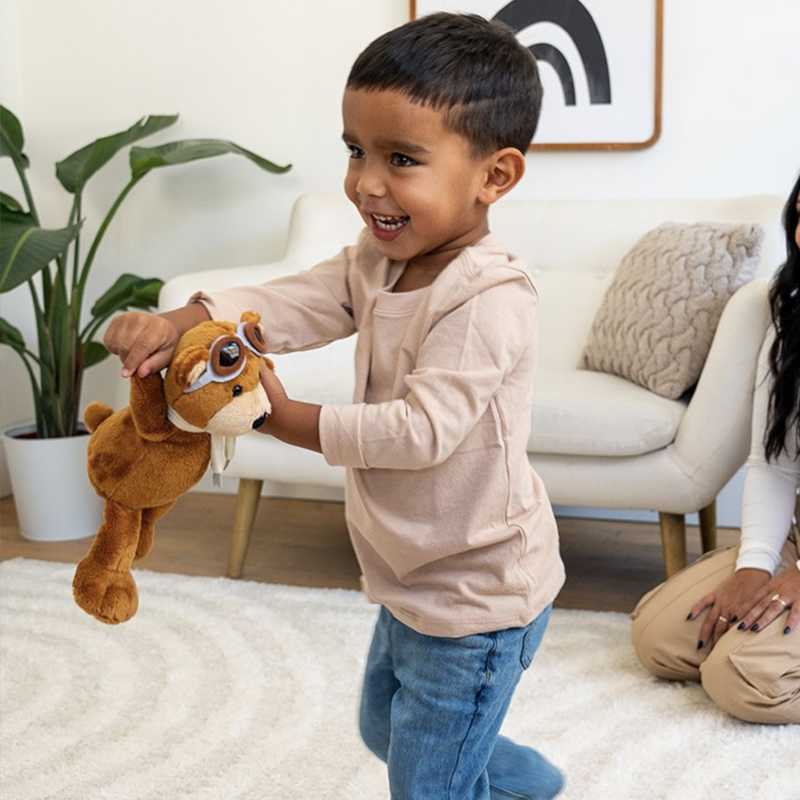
(452, 527)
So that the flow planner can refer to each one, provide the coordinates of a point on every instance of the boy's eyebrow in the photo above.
(390, 144)
(405, 147)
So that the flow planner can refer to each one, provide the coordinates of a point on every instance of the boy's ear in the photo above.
(504, 169)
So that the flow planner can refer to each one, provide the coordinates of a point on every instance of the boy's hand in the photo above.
(291, 421)
(145, 342)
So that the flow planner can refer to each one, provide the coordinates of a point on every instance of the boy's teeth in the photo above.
(389, 223)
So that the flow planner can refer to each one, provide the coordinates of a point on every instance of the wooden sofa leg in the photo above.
(673, 541)
(243, 519)
(708, 526)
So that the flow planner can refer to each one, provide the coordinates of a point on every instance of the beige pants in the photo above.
(753, 675)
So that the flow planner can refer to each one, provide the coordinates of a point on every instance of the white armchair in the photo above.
(597, 440)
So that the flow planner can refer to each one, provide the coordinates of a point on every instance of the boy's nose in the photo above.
(370, 183)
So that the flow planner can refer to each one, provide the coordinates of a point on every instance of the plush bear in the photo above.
(142, 458)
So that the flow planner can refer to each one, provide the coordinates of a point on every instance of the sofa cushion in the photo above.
(586, 413)
(657, 319)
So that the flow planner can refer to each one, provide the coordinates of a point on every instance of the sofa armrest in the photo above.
(724, 392)
(177, 291)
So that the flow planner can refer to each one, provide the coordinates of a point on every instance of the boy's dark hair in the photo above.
(473, 69)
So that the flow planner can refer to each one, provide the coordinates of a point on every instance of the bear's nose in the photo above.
(260, 421)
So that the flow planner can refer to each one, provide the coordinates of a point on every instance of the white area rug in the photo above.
(229, 690)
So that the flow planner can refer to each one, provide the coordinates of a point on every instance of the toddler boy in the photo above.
(452, 528)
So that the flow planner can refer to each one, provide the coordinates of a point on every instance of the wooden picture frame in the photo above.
(600, 62)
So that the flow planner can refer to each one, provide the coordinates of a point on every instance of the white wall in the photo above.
(269, 76)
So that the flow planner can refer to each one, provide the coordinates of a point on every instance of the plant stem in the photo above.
(75, 214)
(102, 230)
(27, 189)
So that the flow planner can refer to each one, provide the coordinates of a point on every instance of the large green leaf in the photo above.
(11, 336)
(94, 353)
(75, 170)
(10, 204)
(144, 159)
(25, 249)
(128, 291)
(12, 139)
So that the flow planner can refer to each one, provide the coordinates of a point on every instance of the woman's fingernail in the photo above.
(755, 627)
(689, 616)
(786, 630)
(741, 626)
(700, 645)
(734, 618)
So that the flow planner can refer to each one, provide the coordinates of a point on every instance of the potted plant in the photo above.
(56, 268)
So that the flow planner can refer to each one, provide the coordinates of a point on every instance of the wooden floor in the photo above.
(304, 543)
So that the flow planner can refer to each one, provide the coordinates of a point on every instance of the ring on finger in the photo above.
(722, 619)
(778, 598)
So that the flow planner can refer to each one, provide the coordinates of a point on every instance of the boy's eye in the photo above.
(399, 160)
(355, 152)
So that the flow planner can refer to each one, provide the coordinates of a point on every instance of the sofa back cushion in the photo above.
(595, 235)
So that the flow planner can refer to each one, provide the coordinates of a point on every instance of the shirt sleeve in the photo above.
(299, 312)
(770, 487)
(463, 365)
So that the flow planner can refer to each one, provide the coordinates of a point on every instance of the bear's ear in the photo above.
(250, 316)
(196, 371)
(188, 365)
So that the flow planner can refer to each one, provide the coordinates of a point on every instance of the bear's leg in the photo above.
(149, 518)
(103, 585)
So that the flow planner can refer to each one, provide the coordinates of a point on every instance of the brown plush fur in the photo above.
(140, 462)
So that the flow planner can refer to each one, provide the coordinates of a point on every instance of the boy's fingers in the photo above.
(155, 363)
(144, 361)
(144, 343)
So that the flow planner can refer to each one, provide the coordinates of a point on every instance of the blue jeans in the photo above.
(432, 708)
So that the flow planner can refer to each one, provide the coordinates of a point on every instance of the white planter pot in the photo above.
(54, 499)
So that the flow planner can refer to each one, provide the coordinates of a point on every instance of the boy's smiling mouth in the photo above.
(387, 228)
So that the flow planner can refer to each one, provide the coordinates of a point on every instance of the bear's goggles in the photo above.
(228, 356)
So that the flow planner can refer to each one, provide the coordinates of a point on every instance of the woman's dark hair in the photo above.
(473, 69)
(783, 418)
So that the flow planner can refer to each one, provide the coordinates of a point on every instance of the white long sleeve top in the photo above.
(770, 488)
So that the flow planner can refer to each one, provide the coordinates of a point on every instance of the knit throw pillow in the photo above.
(658, 316)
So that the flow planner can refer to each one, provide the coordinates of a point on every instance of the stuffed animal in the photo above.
(142, 458)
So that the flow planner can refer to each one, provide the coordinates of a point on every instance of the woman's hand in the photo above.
(729, 603)
(772, 599)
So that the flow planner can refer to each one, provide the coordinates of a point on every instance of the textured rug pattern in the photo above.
(231, 690)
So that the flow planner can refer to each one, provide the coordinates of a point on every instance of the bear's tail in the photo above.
(96, 413)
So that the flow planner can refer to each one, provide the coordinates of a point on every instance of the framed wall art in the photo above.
(599, 61)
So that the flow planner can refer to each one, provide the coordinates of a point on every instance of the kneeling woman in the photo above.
(732, 619)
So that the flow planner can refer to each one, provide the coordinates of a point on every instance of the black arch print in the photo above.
(557, 60)
(577, 22)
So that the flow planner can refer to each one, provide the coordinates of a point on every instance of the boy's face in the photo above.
(415, 182)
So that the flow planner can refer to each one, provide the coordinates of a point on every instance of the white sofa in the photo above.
(597, 440)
